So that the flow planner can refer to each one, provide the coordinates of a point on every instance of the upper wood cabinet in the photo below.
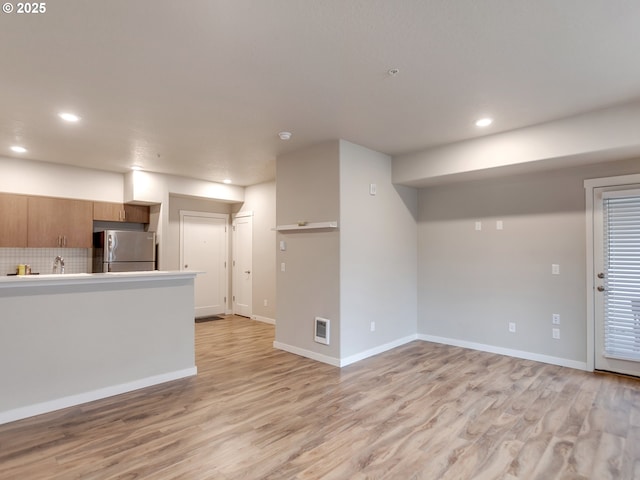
(13, 220)
(118, 212)
(57, 222)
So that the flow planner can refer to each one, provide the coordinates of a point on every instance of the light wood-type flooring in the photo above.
(420, 411)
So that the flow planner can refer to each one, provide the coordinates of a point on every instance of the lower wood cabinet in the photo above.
(57, 222)
(13, 220)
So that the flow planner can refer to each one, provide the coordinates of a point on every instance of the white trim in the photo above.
(72, 400)
(612, 181)
(307, 353)
(563, 362)
(343, 362)
(259, 318)
(377, 350)
(243, 214)
(589, 194)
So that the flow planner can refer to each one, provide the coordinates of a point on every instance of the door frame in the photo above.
(590, 186)
(247, 214)
(225, 216)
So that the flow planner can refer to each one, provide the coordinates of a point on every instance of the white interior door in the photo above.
(204, 249)
(242, 265)
(617, 280)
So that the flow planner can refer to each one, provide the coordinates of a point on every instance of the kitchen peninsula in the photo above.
(70, 339)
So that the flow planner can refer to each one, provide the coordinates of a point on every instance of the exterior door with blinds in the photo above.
(617, 282)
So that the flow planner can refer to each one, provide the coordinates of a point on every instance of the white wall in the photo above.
(602, 135)
(471, 284)
(378, 253)
(261, 201)
(308, 190)
(52, 180)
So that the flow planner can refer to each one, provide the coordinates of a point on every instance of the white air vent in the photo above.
(322, 334)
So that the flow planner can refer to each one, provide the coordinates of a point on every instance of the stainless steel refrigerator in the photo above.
(124, 251)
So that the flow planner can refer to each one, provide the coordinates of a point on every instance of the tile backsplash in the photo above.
(76, 260)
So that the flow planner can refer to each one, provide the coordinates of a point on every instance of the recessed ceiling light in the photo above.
(284, 135)
(484, 122)
(227, 181)
(69, 117)
(18, 149)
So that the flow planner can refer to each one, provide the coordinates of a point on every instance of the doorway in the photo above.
(242, 264)
(203, 248)
(615, 278)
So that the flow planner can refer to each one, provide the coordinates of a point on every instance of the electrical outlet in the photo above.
(512, 327)
(499, 225)
(266, 302)
(478, 226)
(555, 333)
(555, 269)
(373, 326)
(555, 318)
(283, 267)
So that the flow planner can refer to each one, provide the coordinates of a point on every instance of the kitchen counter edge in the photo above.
(90, 278)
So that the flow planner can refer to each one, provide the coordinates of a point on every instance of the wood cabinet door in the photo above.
(13, 220)
(56, 222)
(108, 212)
(136, 213)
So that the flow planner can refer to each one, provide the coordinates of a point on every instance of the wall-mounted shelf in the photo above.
(307, 226)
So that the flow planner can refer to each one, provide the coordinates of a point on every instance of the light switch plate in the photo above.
(478, 226)
(555, 269)
(373, 189)
(555, 318)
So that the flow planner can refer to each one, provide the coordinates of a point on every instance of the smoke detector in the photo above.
(284, 135)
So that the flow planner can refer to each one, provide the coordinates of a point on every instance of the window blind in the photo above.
(622, 278)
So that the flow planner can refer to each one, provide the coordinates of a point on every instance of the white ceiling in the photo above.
(201, 88)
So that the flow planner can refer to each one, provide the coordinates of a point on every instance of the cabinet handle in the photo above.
(64, 242)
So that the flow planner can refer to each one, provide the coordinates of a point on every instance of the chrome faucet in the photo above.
(58, 260)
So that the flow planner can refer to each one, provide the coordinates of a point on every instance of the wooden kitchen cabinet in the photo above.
(58, 222)
(13, 220)
(118, 212)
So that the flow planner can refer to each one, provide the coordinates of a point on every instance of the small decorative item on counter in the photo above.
(27, 269)
(21, 269)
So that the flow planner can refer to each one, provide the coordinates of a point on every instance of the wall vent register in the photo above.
(322, 330)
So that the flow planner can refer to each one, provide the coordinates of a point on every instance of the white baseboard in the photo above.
(537, 357)
(343, 362)
(307, 353)
(376, 350)
(263, 319)
(72, 400)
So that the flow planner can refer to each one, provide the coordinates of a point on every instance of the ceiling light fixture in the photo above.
(484, 122)
(69, 117)
(284, 135)
(18, 149)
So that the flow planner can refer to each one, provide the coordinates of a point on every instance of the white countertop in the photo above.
(12, 281)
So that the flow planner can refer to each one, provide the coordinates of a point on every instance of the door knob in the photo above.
(247, 271)
(600, 288)
(186, 266)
